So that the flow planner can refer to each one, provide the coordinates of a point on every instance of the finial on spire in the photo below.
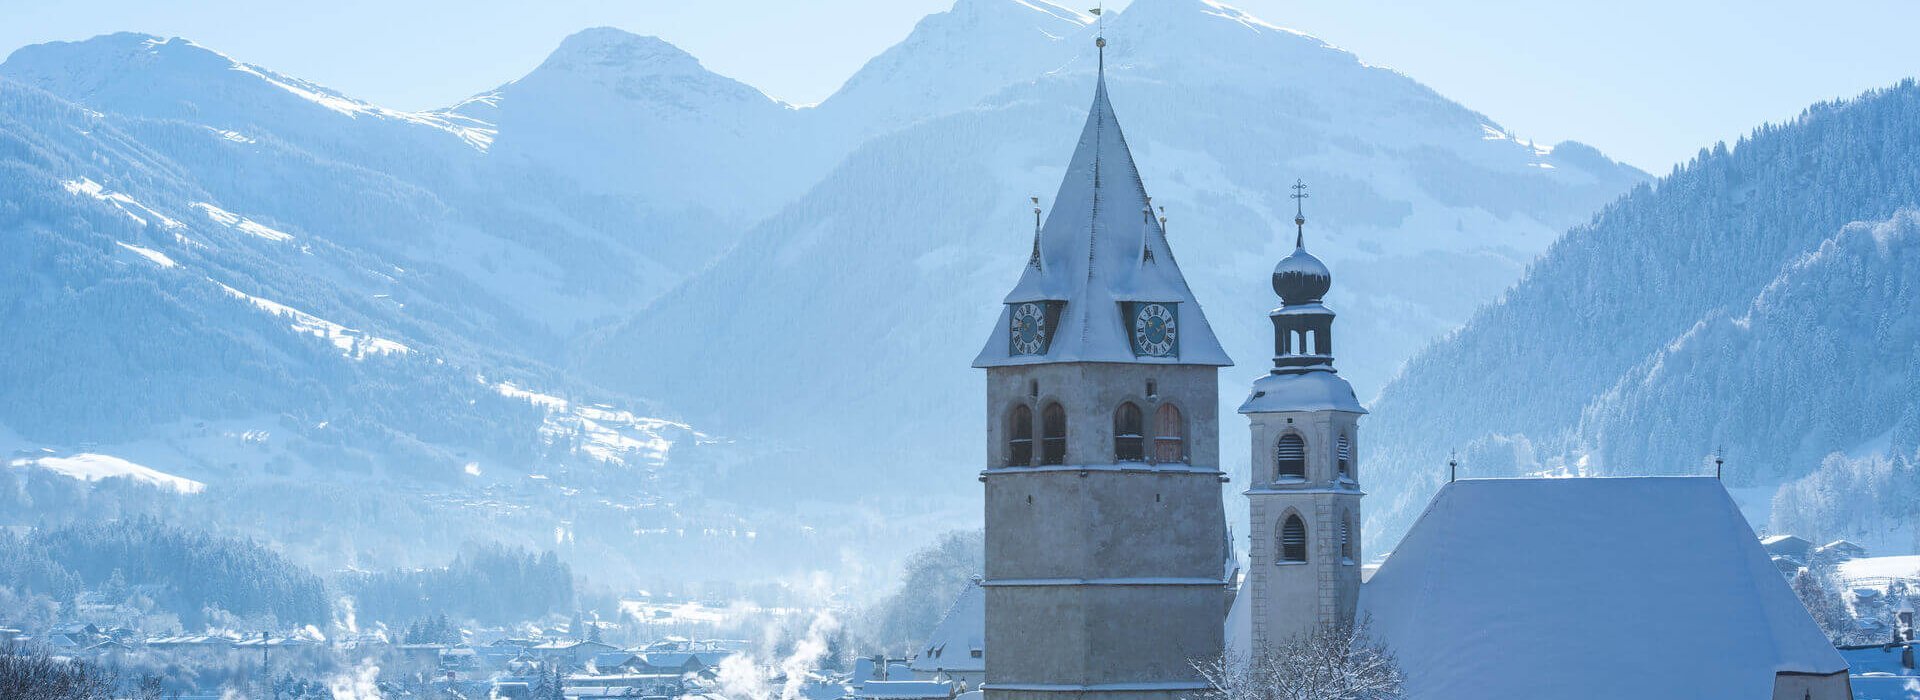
(1100, 36)
(1299, 214)
(1453, 466)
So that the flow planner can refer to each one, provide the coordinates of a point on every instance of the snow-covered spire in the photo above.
(1093, 270)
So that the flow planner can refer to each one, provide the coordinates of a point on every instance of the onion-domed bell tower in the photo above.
(1105, 565)
(1304, 499)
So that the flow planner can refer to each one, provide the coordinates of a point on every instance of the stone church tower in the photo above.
(1304, 498)
(1105, 564)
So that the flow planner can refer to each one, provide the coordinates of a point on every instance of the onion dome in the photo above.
(1301, 278)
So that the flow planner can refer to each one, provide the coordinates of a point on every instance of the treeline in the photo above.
(1629, 342)
(492, 584)
(189, 573)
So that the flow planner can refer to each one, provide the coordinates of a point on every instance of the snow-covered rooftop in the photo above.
(1301, 391)
(951, 645)
(1641, 587)
(1103, 245)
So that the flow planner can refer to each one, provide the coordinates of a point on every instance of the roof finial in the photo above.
(1100, 36)
(1299, 214)
(1453, 466)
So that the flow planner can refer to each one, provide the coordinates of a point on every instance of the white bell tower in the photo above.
(1304, 495)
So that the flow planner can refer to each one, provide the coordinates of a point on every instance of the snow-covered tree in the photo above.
(1341, 662)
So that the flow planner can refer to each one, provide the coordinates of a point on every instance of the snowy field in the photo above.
(94, 467)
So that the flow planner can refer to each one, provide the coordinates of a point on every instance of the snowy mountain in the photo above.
(851, 316)
(697, 156)
(228, 283)
(528, 315)
(1736, 304)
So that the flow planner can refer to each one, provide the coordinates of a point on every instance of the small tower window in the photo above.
(1346, 539)
(1129, 440)
(1293, 540)
(1169, 435)
(1290, 458)
(1344, 457)
(1053, 435)
(1020, 437)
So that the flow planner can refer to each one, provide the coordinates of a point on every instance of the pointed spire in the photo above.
(1094, 257)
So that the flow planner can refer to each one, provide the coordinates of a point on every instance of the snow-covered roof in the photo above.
(1905, 566)
(1103, 245)
(905, 690)
(963, 630)
(1301, 391)
(1639, 587)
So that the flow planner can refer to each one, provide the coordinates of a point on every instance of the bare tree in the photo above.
(1342, 662)
(33, 674)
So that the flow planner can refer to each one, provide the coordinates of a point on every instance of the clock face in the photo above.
(1156, 330)
(1027, 333)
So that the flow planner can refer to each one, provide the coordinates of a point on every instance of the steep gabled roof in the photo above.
(1103, 245)
(1641, 587)
(951, 645)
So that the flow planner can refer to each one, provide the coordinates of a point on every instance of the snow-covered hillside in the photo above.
(851, 317)
(1731, 306)
(245, 288)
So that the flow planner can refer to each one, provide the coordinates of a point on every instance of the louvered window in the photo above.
(1291, 457)
(1129, 444)
(1020, 440)
(1345, 456)
(1293, 540)
(1053, 435)
(1169, 435)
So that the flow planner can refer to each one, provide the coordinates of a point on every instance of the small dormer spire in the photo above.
(1034, 260)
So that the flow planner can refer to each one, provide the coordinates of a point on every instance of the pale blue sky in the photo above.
(1647, 81)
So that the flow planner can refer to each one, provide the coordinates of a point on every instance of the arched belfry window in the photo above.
(1344, 457)
(1293, 540)
(1169, 435)
(1053, 435)
(1129, 438)
(1346, 538)
(1020, 437)
(1290, 458)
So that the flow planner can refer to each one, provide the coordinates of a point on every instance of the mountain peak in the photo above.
(607, 49)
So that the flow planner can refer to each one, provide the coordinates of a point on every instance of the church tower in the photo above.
(1105, 570)
(1304, 498)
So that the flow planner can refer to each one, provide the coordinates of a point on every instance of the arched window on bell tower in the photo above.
(1020, 437)
(1293, 540)
(1169, 435)
(1129, 434)
(1053, 435)
(1346, 538)
(1290, 458)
